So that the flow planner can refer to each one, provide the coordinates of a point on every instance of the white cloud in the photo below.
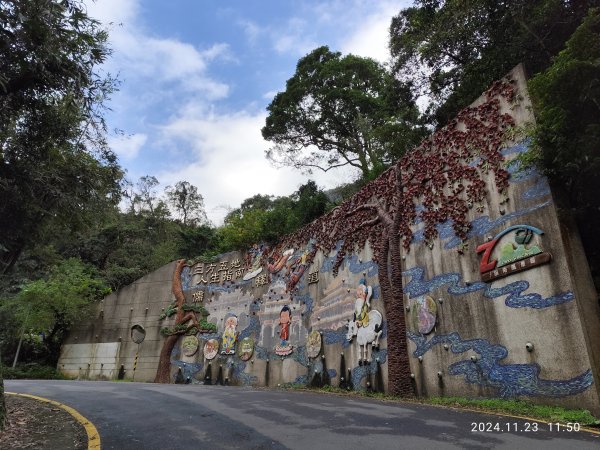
(370, 36)
(251, 30)
(127, 147)
(142, 57)
(229, 164)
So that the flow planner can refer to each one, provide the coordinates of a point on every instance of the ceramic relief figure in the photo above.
(285, 320)
(298, 266)
(366, 325)
(252, 261)
(229, 335)
(313, 344)
(425, 311)
(362, 304)
(211, 347)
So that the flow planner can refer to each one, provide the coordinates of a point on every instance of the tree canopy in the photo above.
(452, 50)
(54, 161)
(341, 111)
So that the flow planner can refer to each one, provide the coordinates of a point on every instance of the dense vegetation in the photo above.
(72, 228)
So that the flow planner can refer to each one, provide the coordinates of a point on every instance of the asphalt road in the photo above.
(154, 416)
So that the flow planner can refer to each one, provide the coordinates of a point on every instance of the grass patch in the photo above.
(491, 405)
(33, 372)
(519, 408)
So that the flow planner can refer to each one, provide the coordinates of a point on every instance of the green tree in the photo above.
(336, 110)
(566, 100)
(50, 306)
(54, 161)
(185, 199)
(265, 219)
(452, 50)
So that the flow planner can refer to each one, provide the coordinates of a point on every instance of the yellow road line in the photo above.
(90, 429)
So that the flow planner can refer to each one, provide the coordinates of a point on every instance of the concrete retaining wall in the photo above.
(534, 333)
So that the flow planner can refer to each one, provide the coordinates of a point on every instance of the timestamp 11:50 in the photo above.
(524, 427)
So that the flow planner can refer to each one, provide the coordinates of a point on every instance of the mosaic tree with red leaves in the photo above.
(438, 181)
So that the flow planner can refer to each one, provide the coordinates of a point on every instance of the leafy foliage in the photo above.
(567, 104)
(188, 202)
(341, 111)
(50, 306)
(54, 161)
(453, 50)
(264, 218)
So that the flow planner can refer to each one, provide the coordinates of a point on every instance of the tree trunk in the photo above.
(398, 363)
(164, 363)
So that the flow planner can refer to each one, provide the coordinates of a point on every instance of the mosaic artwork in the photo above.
(511, 380)
(424, 313)
(515, 255)
(211, 348)
(313, 344)
(190, 345)
(366, 323)
(253, 262)
(229, 338)
(284, 348)
(246, 348)
(516, 298)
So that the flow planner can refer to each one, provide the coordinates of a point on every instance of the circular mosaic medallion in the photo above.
(190, 345)
(313, 344)
(425, 313)
(211, 347)
(246, 348)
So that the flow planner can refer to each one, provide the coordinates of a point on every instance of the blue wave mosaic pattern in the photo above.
(354, 264)
(480, 226)
(511, 380)
(360, 372)
(188, 370)
(516, 298)
(253, 328)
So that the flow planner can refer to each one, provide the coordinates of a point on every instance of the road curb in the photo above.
(90, 429)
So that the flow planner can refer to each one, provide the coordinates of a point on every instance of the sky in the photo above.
(196, 78)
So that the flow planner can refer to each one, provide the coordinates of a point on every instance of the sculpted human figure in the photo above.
(362, 304)
(229, 336)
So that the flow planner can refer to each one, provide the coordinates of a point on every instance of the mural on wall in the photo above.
(246, 348)
(276, 262)
(190, 345)
(511, 380)
(425, 198)
(313, 344)
(298, 265)
(515, 291)
(514, 255)
(211, 348)
(186, 323)
(424, 313)
(285, 319)
(253, 262)
(230, 335)
(366, 323)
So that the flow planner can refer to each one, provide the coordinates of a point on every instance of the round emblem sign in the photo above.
(425, 313)
(211, 347)
(190, 345)
(246, 348)
(313, 345)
